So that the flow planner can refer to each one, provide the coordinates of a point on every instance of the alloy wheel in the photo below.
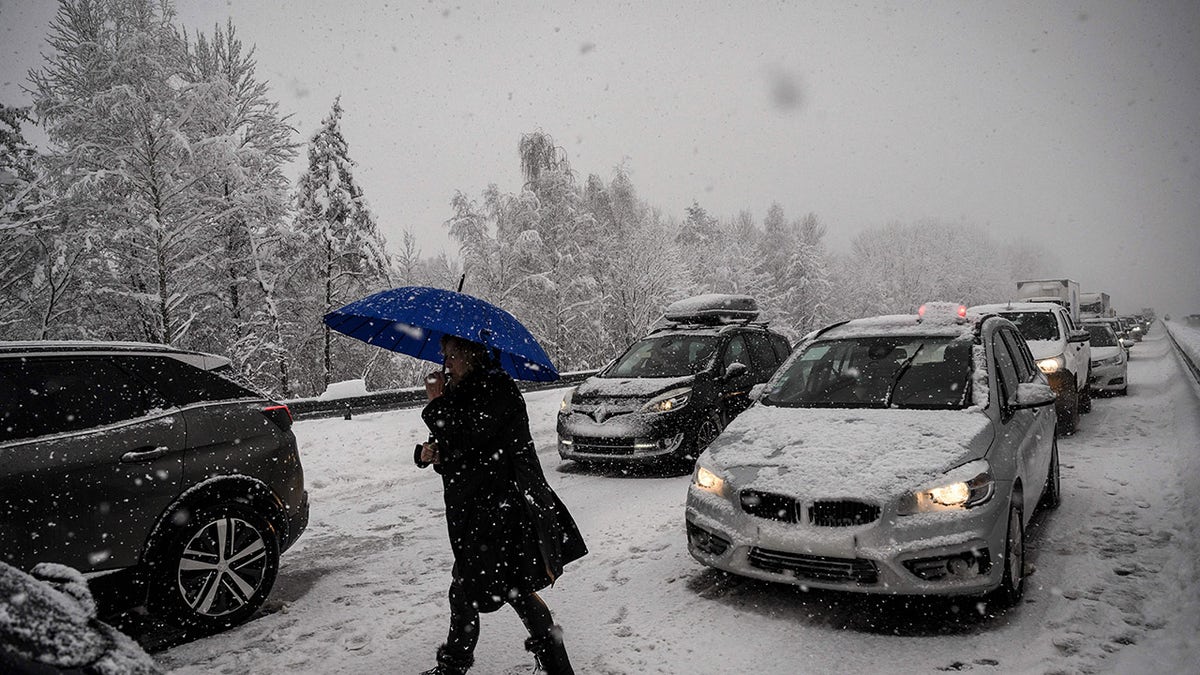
(222, 566)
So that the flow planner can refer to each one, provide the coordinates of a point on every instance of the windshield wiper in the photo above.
(887, 402)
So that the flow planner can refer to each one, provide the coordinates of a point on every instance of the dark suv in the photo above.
(672, 392)
(151, 465)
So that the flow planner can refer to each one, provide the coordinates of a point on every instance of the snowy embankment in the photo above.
(1188, 339)
(1115, 586)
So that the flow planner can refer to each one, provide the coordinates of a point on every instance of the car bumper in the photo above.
(948, 553)
(297, 521)
(634, 437)
(1109, 378)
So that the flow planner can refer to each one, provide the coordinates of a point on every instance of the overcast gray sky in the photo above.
(1069, 123)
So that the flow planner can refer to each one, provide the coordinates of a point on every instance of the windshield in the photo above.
(1035, 325)
(876, 372)
(675, 355)
(1101, 335)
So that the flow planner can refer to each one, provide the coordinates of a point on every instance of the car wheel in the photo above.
(707, 431)
(1052, 493)
(1068, 414)
(1123, 391)
(1012, 584)
(217, 568)
(1085, 400)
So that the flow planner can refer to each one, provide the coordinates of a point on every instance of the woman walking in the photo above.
(509, 532)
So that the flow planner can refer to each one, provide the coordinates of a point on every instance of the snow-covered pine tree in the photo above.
(114, 98)
(19, 198)
(344, 252)
(246, 195)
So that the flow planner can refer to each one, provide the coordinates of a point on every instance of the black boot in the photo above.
(550, 653)
(450, 663)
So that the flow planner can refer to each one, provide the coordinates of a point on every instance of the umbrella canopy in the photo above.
(412, 320)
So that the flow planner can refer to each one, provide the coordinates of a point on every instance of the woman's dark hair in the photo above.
(479, 355)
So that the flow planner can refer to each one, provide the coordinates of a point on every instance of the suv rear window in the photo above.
(184, 384)
(1035, 325)
(42, 396)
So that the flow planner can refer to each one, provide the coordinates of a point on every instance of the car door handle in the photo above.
(145, 453)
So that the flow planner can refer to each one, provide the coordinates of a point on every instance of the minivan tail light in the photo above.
(280, 415)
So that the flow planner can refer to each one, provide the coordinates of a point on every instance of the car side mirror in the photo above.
(757, 390)
(1079, 336)
(1031, 395)
(735, 369)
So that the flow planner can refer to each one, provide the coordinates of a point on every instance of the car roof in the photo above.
(708, 329)
(84, 347)
(999, 307)
(898, 324)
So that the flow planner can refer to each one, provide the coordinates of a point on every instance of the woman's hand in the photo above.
(435, 384)
(429, 453)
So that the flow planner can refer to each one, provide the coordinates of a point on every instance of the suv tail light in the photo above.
(280, 415)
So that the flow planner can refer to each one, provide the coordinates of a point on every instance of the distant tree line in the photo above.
(161, 212)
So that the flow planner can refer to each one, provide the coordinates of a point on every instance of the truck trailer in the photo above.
(1062, 291)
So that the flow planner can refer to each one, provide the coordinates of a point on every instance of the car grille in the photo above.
(826, 513)
(603, 446)
(815, 567)
(769, 505)
(842, 513)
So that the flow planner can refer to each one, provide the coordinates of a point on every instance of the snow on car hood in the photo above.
(843, 453)
(1045, 349)
(630, 386)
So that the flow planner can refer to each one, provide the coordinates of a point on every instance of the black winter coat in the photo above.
(510, 533)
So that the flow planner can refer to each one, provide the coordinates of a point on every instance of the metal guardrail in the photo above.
(397, 399)
(1187, 359)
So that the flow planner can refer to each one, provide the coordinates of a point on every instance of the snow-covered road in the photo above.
(1116, 586)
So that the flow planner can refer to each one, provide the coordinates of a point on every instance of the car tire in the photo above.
(706, 432)
(1085, 400)
(1012, 583)
(1068, 415)
(216, 569)
(1123, 391)
(1052, 493)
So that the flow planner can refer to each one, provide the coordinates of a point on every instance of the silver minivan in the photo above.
(891, 455)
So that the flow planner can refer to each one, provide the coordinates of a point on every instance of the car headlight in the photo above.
(671, 400)
(565, 406)
(708, 481)
(1051, 365)
(953, 495)
(1110, 361)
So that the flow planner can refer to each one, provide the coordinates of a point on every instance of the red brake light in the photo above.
(280, 415)
(921, 311)
(962, 311)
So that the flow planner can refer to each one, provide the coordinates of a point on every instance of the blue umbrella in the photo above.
(412, 320)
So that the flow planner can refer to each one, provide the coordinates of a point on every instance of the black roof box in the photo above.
(713, 308)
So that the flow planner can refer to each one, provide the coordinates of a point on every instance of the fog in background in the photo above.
(1073, 125)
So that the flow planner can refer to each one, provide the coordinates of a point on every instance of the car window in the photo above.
(1005, 368)
(736, 352)
(673, 355)
(1101, 335)
(1022, 360)
(183, 384)
(781, 347)
(763, 355)
(1035, 325)
(56, 395)
(876, 372)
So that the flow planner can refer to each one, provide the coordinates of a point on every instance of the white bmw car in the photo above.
(893, 455)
